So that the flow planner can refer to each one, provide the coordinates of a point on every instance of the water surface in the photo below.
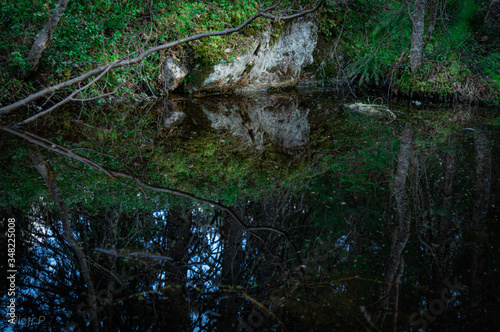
(259, 212)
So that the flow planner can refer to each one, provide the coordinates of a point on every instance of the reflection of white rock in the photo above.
(230, 119)
(274, 118)
(268, 66)
(174, 74)
(289, 131)
(172, 115)
(174, 119)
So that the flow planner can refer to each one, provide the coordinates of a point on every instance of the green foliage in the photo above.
(447, 78)
(21, 183)
(496, 121)
(373, 37)
(374, 40)
(91, 33)
(198, 17)
(329, 19)
(368, 68)
(17, 60)
(490, 66)
(389, 36)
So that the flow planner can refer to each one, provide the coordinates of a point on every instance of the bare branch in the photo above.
(299, 14)
(68, 98)
(133, 255)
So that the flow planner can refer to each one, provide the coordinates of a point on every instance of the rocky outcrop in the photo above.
(281, 65)
(268, 63)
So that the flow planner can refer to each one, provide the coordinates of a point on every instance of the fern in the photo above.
(388, 37)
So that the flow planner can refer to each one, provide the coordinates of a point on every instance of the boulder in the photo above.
(268, 63)
(174, 74)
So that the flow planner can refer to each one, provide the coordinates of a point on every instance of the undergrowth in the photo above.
(366, 42)
(370, 44)
(97, 32)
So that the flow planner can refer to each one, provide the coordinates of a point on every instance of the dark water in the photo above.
(263, 212)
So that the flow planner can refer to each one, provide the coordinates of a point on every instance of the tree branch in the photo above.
(68, 98)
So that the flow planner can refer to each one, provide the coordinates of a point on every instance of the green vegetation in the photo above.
(92, 33)
(461, 53)
(363, 41)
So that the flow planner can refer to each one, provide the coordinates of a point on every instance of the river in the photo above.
(290, 211)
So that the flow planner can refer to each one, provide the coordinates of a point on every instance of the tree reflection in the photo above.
(395, 234)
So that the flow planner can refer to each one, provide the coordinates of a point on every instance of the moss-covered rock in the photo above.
(267, 62)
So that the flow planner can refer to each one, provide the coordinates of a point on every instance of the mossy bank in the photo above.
(355, 43)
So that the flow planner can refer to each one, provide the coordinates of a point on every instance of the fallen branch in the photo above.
(67, 99)
(371, 110)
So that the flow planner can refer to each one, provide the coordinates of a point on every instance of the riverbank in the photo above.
(342, 43)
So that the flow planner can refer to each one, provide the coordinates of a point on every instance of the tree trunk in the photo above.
(431, 20)
(417, 35)
(44, 170)
(481, 204)
(400, 235)
(231, 236)
(43, 39)
(175, 308)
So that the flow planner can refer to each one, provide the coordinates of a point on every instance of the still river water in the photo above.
(262, 212)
